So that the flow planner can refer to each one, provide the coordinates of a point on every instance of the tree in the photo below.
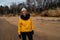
(6, 10)
(1, 10)
(13, 8)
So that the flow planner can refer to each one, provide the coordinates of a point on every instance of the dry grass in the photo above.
(51, 12)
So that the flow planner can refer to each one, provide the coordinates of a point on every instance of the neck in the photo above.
(24, 14)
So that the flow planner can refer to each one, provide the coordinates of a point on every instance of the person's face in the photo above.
(24, 12)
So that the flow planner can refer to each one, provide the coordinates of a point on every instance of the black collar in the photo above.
(25, 17)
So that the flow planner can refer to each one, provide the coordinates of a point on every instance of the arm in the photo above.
(19, 26)
(32, 24)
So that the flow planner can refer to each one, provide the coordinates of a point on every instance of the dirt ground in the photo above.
(45, 28)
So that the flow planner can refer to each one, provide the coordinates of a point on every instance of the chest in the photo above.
(26, 22)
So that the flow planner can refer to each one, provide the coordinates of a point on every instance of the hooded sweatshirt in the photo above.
(25, 24)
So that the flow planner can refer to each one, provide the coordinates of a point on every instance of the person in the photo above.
(25, 26)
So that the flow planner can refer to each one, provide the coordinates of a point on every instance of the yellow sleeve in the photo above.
(19, 26)
(32, 24)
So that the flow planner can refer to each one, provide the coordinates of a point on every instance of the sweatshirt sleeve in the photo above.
(32, 24)
(19, 26)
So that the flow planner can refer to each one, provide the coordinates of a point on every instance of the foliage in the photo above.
(43, 9)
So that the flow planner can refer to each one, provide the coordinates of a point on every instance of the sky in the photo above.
(9, 2)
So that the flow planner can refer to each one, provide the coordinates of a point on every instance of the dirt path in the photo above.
(44, 30)
(7, 30)
(48, 29)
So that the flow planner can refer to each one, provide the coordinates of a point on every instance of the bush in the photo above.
(51, 12)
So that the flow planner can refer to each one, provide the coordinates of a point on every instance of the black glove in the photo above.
(32, 32)
(19, 36)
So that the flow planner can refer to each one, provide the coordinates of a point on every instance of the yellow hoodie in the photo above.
(24, 25)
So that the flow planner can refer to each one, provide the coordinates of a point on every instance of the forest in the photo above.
(35, 6)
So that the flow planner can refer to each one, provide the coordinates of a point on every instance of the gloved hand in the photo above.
(19, 36)
(32, 32)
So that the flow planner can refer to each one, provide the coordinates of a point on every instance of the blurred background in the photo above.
(49, 8)
(45, 16)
